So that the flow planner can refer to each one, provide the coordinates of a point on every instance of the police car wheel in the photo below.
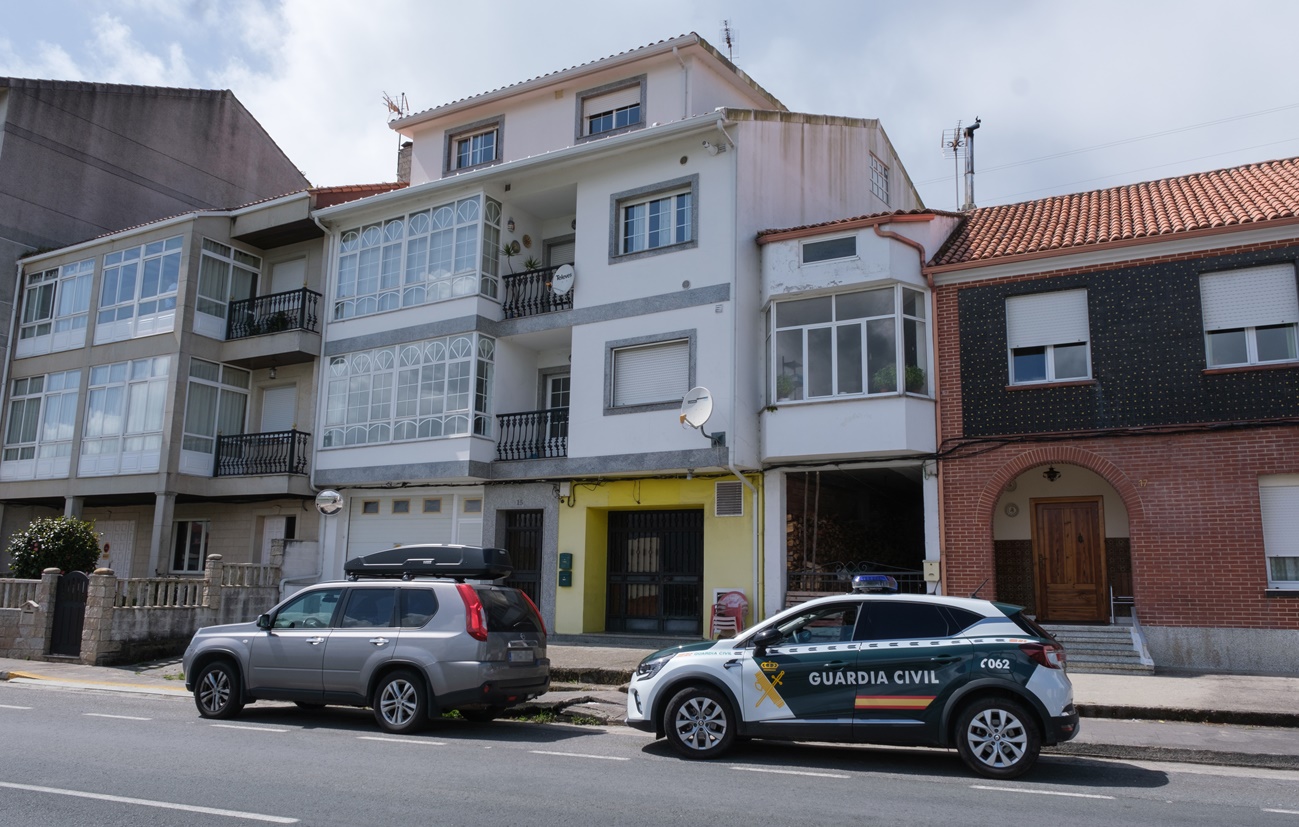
(997, 738)
(699, 723)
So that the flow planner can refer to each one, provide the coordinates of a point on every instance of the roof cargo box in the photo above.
(433, 560)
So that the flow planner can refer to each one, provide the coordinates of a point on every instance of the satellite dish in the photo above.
(329, 502)
(562, 281)
(696, 407)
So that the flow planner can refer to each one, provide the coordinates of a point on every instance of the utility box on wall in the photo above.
(932, 571)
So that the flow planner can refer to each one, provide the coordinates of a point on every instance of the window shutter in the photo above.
(651, 373)
(557, 254)
(1280, 506)
(1058, 318)
(610, 101)
(279, 409)
(728, 499)
(1251, 297)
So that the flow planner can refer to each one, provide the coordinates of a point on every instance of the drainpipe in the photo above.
(933, 349)
(685, 84)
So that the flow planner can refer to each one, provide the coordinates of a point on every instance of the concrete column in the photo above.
(212, 582)
(72, 506)
(774, 553)
(164, 507)
(98, 643)
(933, 535)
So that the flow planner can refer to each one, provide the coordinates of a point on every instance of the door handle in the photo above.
(315, 641)
(944, 659)
(837, 663)
(730, 664)
(379, 641)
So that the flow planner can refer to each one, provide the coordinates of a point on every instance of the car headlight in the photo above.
(650, 668)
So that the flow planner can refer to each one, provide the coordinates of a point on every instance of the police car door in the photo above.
(799, 687)
(908, 665)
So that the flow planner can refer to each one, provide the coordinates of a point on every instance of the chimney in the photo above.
(403, 162)
(969, 166)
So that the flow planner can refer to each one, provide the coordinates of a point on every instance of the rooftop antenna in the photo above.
(954, 148)
(397, 106)
(728, 39)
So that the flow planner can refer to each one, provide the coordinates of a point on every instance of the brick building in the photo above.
(1118, 387)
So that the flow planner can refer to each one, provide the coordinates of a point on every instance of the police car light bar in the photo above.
(874, 583)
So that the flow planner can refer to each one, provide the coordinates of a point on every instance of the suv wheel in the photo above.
(699, 723)
(997, 738)
(216, 692)
(400, 703)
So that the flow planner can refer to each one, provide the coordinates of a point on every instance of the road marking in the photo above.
(401, 740)
(1040, 792)
(145, 802)
(578, 755)
(119, 717)
(1282, 812)
(792, 772)
(253, 728)
(7, 706)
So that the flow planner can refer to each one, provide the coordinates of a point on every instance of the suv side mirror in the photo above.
(764, 639)
(264, 622)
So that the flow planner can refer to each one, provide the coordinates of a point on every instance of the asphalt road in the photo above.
(85, 757)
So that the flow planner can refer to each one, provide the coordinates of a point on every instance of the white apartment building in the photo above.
(507, 341)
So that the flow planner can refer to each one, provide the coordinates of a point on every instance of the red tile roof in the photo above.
(1239, 196)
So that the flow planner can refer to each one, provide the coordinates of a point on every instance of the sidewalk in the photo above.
(1240, 720)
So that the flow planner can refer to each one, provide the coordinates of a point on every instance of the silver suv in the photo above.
(405, 634)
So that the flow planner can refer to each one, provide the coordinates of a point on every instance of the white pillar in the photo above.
(774, 552)
(933, 533)
(164, 507)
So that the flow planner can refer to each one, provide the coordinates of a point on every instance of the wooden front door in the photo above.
(1069, 555)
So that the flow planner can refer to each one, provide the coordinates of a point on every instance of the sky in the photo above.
(1072, 95)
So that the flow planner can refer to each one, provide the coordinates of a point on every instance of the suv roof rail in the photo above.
(457, 562)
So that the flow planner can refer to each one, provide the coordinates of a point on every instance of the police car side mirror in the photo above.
(264, 622)
(765, 638)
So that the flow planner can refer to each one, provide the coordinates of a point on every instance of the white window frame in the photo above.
(60, 325)
(624, 96)
(879, 179)
(466, 135)
(1050, 320)
(1279, 511)
(634, 214)
(184, 529)
(1240, 303)
(830, 245)
(144, 309)
(663, 392)
(44, 411)
(219, 264)
(906, 322)
(125, 414)
(435, 254)
(202, 426)
(391, 394)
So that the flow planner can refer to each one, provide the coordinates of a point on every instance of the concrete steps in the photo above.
(1100, 649)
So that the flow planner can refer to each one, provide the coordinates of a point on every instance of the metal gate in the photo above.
(69, 613)
(523, 542)
(656, 572)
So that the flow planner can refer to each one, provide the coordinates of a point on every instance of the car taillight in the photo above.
(475, 614)
(1050, 655)
(536, 612)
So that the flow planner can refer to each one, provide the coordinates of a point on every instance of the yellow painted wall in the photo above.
(584, 530)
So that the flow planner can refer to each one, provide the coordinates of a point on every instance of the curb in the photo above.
(1191, 716)
(617, 678)
(1176, 755)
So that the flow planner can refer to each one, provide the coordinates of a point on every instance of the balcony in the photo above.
(277, 452)
(530, 294)
(278, 312)
(532, 434)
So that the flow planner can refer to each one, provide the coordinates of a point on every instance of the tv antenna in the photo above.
(397, 106)
(728, 39)
(958, 143)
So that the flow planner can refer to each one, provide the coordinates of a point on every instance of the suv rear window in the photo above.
(508, 611)
(1023, 621)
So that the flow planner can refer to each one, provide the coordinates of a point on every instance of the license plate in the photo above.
(521, 656)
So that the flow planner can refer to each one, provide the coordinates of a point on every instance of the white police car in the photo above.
(869, 667)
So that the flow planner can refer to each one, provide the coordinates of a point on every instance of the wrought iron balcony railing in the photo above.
(277, 452)
(533, 434)
(291, 310)
(530, 294)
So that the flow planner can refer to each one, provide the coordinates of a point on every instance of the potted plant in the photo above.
(510, 249)
(785, 386)
(531, 263)
(915, 376)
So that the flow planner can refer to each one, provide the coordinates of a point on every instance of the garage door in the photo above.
(377, 521)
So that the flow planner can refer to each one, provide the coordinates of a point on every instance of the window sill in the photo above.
(458, 170)
(856, 397)
(1273, 591)
(609, 133)
(653, 251)
(1250, 368)
(1073, 383)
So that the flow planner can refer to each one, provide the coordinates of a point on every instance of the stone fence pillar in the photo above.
(45, 592)
(98, 644)
(212, 582)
